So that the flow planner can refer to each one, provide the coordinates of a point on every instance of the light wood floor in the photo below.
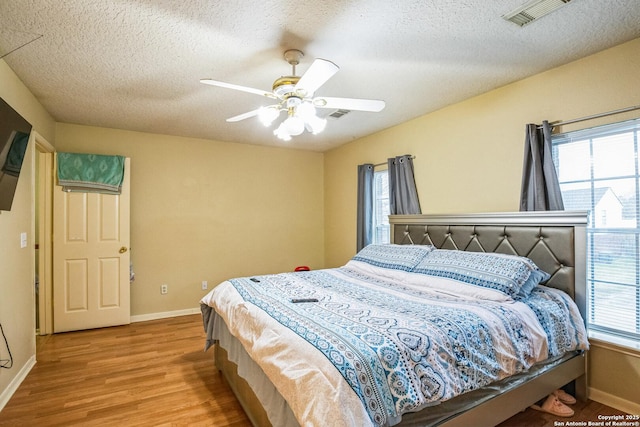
(151, 374)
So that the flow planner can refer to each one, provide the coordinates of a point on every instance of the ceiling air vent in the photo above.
(339, 113)
(533, 10)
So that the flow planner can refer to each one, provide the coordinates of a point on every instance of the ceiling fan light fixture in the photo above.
(281, 133)
(306, 110)
(315, 125)
(292, 102)
(267, 115)
(294, 125)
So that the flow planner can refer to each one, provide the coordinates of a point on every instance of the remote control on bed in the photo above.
(297, 300)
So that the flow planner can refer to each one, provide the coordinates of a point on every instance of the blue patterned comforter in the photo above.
(404, 347)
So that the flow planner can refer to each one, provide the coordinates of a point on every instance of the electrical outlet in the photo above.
(164, 289)
(205, 285)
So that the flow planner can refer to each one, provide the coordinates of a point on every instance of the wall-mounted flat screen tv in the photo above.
(14, 137)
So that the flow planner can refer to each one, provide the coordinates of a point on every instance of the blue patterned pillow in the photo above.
(395, 257)
(511, 275)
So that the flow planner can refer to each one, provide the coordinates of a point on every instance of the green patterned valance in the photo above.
(90, 173)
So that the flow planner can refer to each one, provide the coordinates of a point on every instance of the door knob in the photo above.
(123, 249)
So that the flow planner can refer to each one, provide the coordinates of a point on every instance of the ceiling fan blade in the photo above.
(243, 116)
(372, 105)
(237, 87)
(320, 71)
(275, 111)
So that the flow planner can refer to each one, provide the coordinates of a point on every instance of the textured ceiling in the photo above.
(136, 64)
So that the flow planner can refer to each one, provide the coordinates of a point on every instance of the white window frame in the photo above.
(380, 217)
(609, 317)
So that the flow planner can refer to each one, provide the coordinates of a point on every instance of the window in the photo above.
(598, 170)
(381, 231)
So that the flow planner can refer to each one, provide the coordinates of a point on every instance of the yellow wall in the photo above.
(17, 265)
(469, 156)
(208, 210)
(614, 374)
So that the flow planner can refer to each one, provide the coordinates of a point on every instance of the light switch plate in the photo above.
(23, 240)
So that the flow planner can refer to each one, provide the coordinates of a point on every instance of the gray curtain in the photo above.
(540, 187)
(403, 195)
(365, 206)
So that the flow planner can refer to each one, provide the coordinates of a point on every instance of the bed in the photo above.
(279, 359)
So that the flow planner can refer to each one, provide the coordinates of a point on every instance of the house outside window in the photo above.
(598, 170)
(381, 230)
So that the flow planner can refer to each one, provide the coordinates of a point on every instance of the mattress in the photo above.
(335, 351)
(279, 413)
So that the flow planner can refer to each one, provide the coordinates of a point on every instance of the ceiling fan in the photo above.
(295, 95)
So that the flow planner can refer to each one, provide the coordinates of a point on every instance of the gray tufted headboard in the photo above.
(554, 240)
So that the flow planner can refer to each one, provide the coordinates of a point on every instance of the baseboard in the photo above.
(614, 401)
(13, 385)
(164, 315)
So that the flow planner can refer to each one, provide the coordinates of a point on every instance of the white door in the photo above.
(91, 259)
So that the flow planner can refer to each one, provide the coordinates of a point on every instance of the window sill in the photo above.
(616, 343)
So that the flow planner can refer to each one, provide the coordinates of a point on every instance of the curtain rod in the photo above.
(384, 163)
(595, 116)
